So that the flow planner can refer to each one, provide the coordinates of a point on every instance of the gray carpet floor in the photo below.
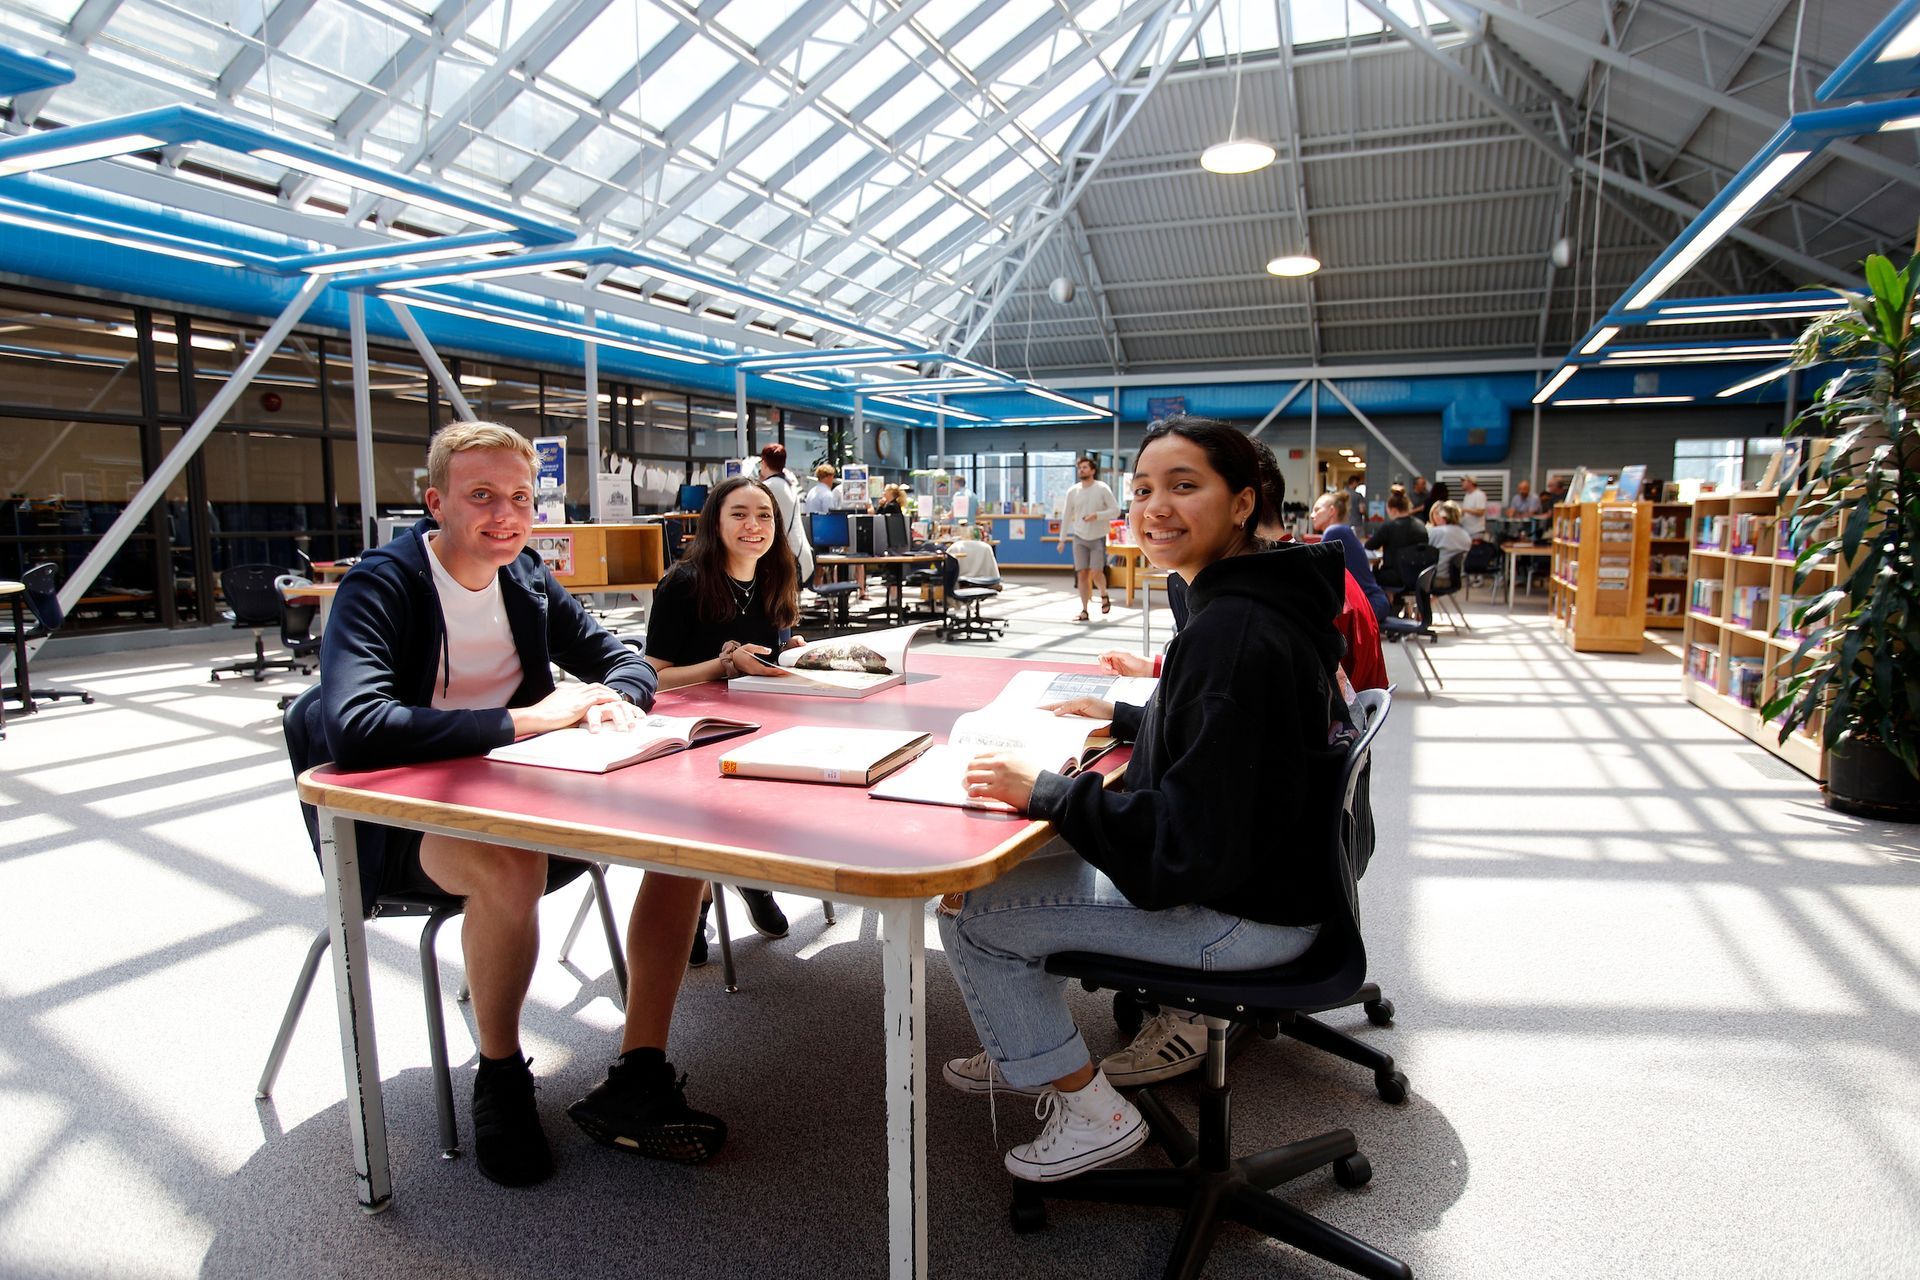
(1660, 1010)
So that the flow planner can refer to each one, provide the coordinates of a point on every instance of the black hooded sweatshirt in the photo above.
(1216, 799)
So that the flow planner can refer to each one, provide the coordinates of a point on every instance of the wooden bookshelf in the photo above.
(1738, 640)
(1668, 567)
(1597, 586)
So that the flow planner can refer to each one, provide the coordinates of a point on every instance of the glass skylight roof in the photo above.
(846, 148)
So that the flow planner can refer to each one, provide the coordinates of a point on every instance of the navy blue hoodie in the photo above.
(1216, 807)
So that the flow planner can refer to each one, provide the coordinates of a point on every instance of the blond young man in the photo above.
(441, 644)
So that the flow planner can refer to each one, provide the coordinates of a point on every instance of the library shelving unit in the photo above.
(1739, 633)
(1597, 590)
(1668, 570)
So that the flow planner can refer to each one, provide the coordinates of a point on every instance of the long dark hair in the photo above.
(776, 579)
(1230, 451)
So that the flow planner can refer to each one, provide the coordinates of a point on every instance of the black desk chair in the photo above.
(306, 749)
(296, 622)
(1407, 632)
(253, 605)
(961, 599)
(1207, 1181)
(834, 598)
(43, 602)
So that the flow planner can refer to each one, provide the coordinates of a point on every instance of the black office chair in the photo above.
(306, 748)
(961, 599)
(1407, 632)
(835, 600)
(254, 605)
(43, 602)
(1206, 1181)
(1451, 579)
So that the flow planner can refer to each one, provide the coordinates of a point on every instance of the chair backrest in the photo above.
(43, 596)
(250, 594)
(296, 620)
(1452, 572)
(1423, 594)
(1481, 557)
(306, 748)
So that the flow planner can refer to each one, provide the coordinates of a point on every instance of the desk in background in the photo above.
(1515, 552)
(677, 814)
(894, 565)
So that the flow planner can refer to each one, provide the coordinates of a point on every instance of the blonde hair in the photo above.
(824, 473)
(1451, 510)
(459, 437)
(1340, 500)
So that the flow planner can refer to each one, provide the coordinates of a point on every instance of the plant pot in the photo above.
(1869, 781)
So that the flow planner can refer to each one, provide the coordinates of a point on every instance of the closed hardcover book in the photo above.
(599, 751)
(825, 753)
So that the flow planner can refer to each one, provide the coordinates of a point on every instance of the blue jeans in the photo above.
(998, 943)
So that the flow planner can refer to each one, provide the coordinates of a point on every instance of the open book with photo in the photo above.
(1015, 722)
(591, 751)
(840, 667)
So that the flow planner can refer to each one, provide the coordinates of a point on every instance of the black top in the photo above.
(1218, 781)
(678, 634)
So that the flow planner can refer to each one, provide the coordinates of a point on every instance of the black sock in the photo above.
(507, 1063)
(645, 1065)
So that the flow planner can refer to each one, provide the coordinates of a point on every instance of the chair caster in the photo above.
(1028, 1212)
(1127, 1014)
(1379, 1012)
(1353, 1172)
(450, 1153)
(86, 699)
(1391, 1086)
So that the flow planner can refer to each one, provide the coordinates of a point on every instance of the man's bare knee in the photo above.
(492, 872)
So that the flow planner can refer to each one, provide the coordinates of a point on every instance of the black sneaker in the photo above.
(642, 1107)
(768, 919)
(508, 1143)
(698, 956)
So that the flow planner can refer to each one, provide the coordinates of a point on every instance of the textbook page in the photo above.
(590, 751)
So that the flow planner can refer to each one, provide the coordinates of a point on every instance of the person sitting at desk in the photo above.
(822, 498)
(440, 645)
(1180, 867)
(891, 501)
(1330, 522)
(1447, 532)
(1399, 532)
(732, 597)
(1524, 505)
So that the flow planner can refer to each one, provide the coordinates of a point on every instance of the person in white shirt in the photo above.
(820, 499)
(1089, 508)
(1473, 508)
(965, 506)
(780, 483)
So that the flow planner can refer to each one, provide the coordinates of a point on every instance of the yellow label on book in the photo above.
(729, 766)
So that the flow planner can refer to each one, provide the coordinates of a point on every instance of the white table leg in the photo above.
(366, 1111)
(1513, 568)
(1146, 617)
(902, 926)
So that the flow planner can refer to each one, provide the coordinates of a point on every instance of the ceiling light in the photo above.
(1242, 155)
(1293, 264)
(1743, 201)
(99, 148)
(514, 267)
(1728, 307)
(1903, 122)
(1904, 45)
(412, 257)
(1568, 404)
(88, 229)
(170, 337)
(1758, 380)
(579, 334)
(1599, 340)
(374, 186)
(1554, 384)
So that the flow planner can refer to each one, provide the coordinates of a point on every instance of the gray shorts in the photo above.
(1089, 553)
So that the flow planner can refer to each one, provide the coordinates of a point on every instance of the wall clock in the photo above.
(882, 444)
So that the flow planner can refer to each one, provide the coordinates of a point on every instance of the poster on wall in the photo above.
(555, 551)
(1159, 407)
(551, 471)
(853, 484)
(616, 496)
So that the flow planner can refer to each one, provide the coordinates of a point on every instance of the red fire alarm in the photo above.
(1296, 454)
(270, 401)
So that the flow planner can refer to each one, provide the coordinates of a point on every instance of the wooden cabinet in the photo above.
(596, 555)
(1597, 590)
(1668, 570)
(1739, 632)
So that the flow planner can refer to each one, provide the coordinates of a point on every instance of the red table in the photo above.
(678, 814)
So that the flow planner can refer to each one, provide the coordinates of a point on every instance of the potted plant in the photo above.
(1858, 668)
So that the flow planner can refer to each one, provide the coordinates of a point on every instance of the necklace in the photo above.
(743, 595)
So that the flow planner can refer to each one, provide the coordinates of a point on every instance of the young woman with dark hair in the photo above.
(733, 595)
(1183, 865)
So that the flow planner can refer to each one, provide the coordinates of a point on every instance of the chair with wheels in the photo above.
(306, 748)
(1206, 1181)
(253, 605)
(834, 600)
(43, 603)
(296, 623)
(962, 597)
(1408, 632)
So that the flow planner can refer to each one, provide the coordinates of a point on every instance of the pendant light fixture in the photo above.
(1236, 154)
(1293, 264)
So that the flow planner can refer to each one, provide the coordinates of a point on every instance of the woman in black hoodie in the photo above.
(1191, 863)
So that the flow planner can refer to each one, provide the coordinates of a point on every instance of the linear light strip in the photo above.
(76, 152)
(375, 186)
(1758, 380)
(536, 326)
(1743, 201)
(1554, 384)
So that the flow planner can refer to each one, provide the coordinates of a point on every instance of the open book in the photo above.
(1014, 722)
(842, 667)
(587, 751)
(824, 753)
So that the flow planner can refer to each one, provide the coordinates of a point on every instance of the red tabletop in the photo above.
(678, 810)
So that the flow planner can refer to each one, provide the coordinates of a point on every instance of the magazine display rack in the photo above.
(1597, 591)
(1740, 635)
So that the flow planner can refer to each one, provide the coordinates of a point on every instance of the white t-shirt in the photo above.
(1473, 513)
(964, 506)
(483, 664)
(1449, 537)
(1087, 510)
(793, 522)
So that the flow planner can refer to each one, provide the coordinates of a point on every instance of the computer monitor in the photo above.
(828, 529)
(692, 497)
(897, 536)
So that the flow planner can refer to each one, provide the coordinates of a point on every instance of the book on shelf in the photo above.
(1705, 597)
(1784, 609)
(1015, 722)
(825, 753)
(839, 667)
(1744, 675)
(1710, 533)
(1664, 604)
(1748, 603)
(599, 751)
(1703, 663)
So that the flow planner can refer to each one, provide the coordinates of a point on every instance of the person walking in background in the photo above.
(1090, 508)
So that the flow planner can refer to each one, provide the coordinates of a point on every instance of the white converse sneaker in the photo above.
(1084, 1130)
(1170, 1044)
(980, 1074)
